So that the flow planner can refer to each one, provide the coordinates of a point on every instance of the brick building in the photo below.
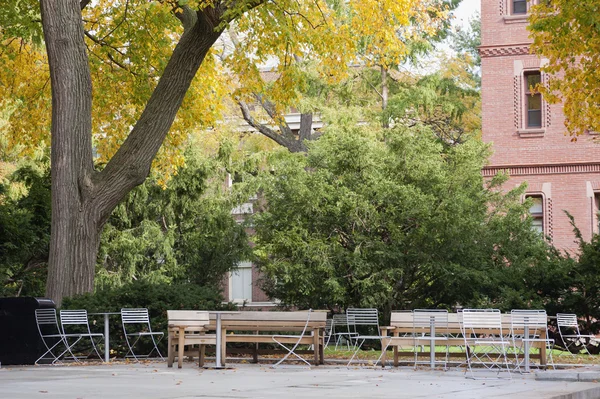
(528, 134)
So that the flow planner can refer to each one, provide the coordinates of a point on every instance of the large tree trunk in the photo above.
(73, 238)
(83, 199)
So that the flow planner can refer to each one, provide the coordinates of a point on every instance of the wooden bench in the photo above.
(401, 333)
(187, 328)
(262, 327)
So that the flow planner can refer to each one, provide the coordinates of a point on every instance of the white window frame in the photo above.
(245, 265)
(541, 215)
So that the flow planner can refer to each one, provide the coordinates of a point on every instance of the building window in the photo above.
(519, 6)
(240, 283)
(537, 212)
(533, 100)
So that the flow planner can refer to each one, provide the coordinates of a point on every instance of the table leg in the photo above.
(432, 346)
(316, 345)
(526, 348)
(218, 348)
(181, 347)
(106, 340)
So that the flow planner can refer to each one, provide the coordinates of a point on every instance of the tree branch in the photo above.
(83, 4)
(270, 133)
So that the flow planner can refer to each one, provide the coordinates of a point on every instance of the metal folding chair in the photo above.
(363, 317)
(291, 351)
(485, 342)
(327, 332)
(138, 321)
(52, 336)
(429, 327)
(528, 327)
(341, 330)
(75, 324)
(570, 335)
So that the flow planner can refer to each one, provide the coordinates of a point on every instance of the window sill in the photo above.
(531, 132)
(516, 19)
(242, 303)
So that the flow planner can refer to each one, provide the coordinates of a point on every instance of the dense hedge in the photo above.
(156, 297)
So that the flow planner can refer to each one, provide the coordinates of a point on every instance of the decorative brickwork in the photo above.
(546, 103)
(566, 173)
(530, 170)
(549, 221)
(502, 51)
(517, 101)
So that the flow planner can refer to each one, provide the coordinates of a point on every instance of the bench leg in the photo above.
(396, 356)
(322, 352)
(316, 345)
(255, 353)
(201, 355)
(171, 350)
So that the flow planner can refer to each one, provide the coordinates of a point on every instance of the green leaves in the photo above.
(396, 223)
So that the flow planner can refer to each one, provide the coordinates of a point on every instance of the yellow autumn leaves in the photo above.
(129, 43)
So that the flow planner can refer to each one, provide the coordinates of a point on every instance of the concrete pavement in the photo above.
(155, 380)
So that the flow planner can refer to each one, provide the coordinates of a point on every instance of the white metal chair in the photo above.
(363, 317)
(138, 321)
(51, 335)
(570, 335)
(75, 324)
(327, 332)
(528, 327)
(341, 330)
(291, 350)
(485, 341)
(427, 327)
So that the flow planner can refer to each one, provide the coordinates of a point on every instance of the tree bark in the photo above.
(83, 199)
(71, 144)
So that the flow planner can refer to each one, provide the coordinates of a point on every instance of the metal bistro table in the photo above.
(106, 332)
(219, 334)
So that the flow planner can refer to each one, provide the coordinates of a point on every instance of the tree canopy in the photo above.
(566, 34)
(394, 222)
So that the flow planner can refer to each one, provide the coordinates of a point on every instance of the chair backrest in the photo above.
(340, 320)
(47, 322)
(424, 319)
(535, 321)
(478, 320)
(362, 317)
(567, 321)
(74, 318)
(328, 327)
(519, 318)
(46, 316)
(135, 316)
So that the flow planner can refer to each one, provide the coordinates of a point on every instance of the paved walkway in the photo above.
(155, 380)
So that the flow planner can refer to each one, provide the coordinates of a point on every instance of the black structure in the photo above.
(20, 341)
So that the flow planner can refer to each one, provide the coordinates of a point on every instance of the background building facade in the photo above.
(528, 134)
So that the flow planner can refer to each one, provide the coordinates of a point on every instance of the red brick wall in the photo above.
(545, 158)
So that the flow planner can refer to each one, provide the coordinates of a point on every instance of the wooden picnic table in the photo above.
(402, 333)
(260, 328)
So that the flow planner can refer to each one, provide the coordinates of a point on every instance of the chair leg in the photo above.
(155, 342)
